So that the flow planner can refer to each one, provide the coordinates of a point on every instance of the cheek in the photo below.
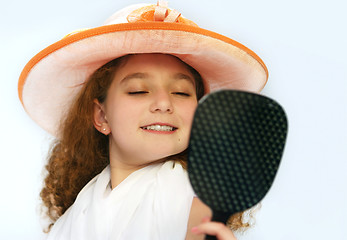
(189, 110)
(122, 108)
(187, 115)
(124, 115)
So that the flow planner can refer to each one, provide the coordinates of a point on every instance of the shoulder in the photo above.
(198, 211)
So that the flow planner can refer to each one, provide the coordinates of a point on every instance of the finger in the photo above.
(206, 219)
(217, 229)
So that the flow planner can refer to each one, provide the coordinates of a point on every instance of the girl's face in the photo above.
(149, 108)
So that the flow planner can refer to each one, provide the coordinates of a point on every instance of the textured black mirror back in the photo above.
(236, 145)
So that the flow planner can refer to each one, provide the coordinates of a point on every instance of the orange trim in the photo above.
(126, 27)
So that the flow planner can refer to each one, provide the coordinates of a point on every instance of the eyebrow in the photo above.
(178, 76)
(140, 75)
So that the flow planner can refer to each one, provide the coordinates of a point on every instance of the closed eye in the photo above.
(184, 94)
(137, 92)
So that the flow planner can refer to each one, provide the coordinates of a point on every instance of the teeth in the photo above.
(159, 128)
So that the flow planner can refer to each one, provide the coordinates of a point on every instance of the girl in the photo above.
(120, 100)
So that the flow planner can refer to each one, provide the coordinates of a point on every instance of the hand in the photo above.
(217, 229)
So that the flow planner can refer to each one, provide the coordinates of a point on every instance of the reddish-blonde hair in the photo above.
(81, 152)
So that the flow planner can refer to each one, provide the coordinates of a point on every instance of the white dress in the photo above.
(152, 203)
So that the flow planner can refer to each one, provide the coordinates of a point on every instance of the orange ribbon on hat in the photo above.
(157, 13)
(161, 13)
(152, 13)
(161, 10)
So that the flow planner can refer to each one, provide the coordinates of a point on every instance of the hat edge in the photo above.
(128, 27)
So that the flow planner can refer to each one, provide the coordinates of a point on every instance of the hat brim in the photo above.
(52, 78)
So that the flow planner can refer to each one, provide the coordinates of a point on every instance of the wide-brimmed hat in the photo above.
(52, 78)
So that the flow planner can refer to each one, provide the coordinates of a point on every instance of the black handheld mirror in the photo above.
(236, 145)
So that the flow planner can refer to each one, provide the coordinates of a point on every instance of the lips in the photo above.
(159, 127)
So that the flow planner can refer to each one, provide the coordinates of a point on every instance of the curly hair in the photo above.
(81, 152)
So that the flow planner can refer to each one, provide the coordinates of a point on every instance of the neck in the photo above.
(122, 164)
(119, 172)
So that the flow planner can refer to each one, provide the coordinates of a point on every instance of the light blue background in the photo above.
(303, 44)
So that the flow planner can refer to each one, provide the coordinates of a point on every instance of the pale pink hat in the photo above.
(52, 78)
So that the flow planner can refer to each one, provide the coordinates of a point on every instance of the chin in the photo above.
(164, 155)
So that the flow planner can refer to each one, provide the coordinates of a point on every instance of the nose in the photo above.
(161, 103)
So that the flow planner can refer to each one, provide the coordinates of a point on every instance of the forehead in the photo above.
(157, 60)
(142, 66)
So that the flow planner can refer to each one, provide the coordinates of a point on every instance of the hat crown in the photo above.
(148, 13)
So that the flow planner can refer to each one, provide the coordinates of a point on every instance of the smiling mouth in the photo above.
(159, 128)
